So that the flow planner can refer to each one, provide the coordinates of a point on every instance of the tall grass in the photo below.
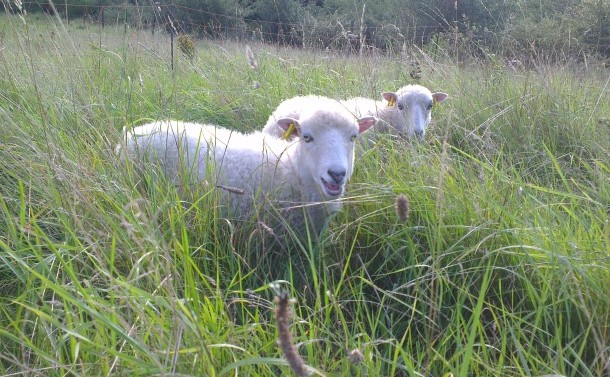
(501, 267)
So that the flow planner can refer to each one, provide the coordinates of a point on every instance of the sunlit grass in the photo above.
(500, 268)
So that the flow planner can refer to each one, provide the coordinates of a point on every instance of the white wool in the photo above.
(294, 108)
(257, 176)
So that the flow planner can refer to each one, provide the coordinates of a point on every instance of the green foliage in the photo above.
(216, 18)
(275, 19)
(500, 267)
(560, 30)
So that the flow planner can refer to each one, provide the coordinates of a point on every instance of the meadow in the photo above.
(501, 268)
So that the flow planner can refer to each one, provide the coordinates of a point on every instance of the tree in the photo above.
(275, 20)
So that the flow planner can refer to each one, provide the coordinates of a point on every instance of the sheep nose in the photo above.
(337, 176)
(419, 134)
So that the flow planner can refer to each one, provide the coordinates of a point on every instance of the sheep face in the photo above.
(410, 109)
(325, 149)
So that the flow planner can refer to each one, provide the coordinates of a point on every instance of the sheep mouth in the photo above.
(332, 189)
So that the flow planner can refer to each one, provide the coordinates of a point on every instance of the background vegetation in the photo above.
(519, 29)
(501, 268)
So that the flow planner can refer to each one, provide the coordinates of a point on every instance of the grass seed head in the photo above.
(186, 45)
(355, 356)
(251, 59)
(266, 228)
(283, 317)
(402, 208)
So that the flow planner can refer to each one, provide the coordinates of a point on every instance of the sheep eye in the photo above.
(430, 106)
(401, 106)
(353, 137)
(307, 138)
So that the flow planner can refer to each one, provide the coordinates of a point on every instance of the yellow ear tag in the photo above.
(289, 131)
(391, 102)
(434, 102)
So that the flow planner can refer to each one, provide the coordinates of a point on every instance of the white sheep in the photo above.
(404, 113)
(257, 175)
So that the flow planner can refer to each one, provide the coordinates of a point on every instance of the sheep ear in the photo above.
(289, 126)
(365, 123)
(439, 97)
(390, 97)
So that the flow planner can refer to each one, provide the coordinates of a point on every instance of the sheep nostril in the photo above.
(337, 176)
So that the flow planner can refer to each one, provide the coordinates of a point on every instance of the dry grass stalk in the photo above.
(234, 190)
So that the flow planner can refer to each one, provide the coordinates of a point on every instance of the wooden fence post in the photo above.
(171, 38)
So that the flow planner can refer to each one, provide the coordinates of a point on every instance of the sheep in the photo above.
(256, 174)
(405, 113)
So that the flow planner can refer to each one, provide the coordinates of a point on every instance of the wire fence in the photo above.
(180, 19)
(308, 32)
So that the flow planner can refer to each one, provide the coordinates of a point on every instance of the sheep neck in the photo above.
(386, 115)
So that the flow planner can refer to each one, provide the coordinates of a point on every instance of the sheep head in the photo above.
(325, 148)
(409, 110)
